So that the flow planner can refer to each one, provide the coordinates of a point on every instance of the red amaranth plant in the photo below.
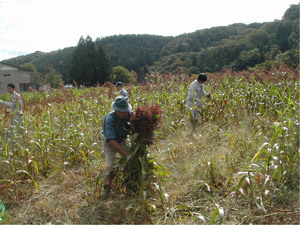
(145, 121)
(139, 168)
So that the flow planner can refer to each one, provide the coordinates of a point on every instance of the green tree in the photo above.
(103, 66)
(53, 78)
(77, 69)
(292, 13)
(248, 59)
(83, 62)
(282, 34)
(259, 39)
(120, 73)
(273, 52)
(89, 65)
(293, 39)
(290, 57)
(36, 78)
(193, 70)
(91, 74)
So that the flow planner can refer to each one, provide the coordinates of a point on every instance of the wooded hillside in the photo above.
(237, 46)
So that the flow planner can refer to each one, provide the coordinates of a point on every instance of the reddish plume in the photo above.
(146, 120)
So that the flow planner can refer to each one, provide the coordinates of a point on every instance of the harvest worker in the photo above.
(114, 134)
(195, 92)
(121, 90)
(16, 106)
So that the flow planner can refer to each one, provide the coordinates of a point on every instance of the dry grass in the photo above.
(70, 197)
(204, 165)
(57, 200)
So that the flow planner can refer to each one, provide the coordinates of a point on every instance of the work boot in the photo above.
(106, 191)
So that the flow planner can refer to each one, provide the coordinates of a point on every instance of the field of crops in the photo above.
(239, 165)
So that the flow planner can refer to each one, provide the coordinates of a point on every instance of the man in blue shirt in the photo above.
(114, 135)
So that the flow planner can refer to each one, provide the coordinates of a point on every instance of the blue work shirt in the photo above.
(115, 128)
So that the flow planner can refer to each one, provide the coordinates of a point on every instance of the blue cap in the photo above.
(121, 104)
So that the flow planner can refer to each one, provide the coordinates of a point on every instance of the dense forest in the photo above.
(237, 46)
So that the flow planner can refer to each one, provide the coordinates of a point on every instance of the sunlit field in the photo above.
(240, 164)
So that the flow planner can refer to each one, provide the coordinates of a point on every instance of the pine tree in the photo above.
(90, 62)
(78, 57)
(104, 69)
(90, 65)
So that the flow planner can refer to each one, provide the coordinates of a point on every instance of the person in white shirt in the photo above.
(121, 90)
(195, 93)
(16, 107)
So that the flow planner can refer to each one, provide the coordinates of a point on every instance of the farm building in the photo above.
(20, 77)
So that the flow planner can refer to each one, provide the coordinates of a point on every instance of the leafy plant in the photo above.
(139, 168)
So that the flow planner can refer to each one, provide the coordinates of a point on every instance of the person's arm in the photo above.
(204, 93)
(113, 143)
(9, 104)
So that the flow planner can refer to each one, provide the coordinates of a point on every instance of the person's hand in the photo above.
(132, 114)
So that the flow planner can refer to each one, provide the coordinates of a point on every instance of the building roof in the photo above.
(19, 68)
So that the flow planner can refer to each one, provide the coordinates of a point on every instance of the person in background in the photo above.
(30, 89)
(114, 134)
(48, 87)
(41, 90)
(16, 107)
(195, 92)
(121, 90)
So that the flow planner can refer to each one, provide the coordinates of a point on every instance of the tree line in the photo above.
(237, 46)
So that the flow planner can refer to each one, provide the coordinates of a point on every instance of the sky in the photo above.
(27, 26)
